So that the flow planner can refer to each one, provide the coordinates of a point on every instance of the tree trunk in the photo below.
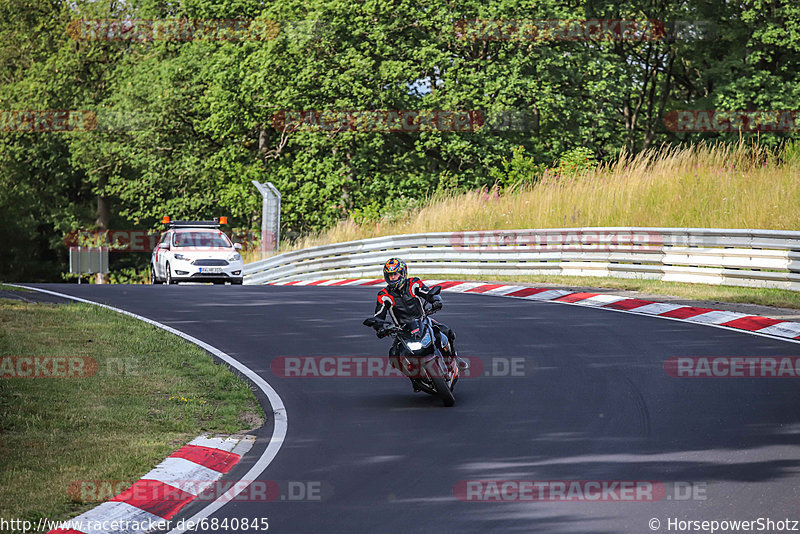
(103, 218)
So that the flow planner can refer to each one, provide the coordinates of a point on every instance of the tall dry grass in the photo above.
(715, 186)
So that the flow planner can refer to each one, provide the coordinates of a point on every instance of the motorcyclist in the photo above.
(405, 299)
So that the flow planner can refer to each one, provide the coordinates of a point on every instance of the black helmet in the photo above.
(394, 266)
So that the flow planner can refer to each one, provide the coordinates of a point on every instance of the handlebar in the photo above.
(388, 331)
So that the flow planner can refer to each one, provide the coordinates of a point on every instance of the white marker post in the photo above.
(270, 215)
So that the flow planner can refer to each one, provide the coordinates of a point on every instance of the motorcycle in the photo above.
(419, 356)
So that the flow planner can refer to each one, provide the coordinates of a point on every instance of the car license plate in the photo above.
(210, 269)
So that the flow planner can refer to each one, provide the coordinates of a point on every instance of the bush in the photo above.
(519, 170)
(129, 275)
(576, 161)
(385, 211)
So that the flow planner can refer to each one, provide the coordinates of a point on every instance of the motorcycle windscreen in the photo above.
(419, 340)
(414, 329)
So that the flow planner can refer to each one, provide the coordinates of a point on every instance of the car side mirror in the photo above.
(164, 245)
(237, 246)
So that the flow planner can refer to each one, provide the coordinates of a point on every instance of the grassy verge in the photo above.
(780, 298)
(151, 393)
(706, 186)
(5, 287)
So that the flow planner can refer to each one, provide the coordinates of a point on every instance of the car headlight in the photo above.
(181, 257)
(235, 257)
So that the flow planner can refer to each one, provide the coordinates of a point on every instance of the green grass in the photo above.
(702, 186)
(6, 287)
(781, 298)
(152, 393)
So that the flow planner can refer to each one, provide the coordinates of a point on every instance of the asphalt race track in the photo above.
(592, 402)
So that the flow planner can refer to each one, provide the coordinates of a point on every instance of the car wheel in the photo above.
(170, 281)
(153, 278)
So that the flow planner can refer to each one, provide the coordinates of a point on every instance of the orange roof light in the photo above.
(223, 220)
(165, 220)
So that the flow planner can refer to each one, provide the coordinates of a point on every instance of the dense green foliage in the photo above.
(198, 113)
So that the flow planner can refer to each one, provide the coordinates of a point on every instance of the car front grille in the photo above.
(210, 263)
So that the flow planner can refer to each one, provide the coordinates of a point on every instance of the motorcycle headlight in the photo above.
(235, 257)
(181, 257)
(419, 345)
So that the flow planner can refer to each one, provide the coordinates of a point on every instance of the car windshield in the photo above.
(200, 239)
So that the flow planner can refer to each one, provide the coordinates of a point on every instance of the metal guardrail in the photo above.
(755, 258)
(88, 260)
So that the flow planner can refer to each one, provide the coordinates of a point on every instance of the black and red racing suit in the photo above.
(406, 303)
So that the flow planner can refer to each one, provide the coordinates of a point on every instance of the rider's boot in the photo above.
(460, 362)
(395, 361)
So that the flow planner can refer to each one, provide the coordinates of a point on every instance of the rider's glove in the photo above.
(437, 305)
(382, 332)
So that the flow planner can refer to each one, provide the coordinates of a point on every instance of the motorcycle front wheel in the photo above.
(444, 391)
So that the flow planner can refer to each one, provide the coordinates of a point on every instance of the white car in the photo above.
(196, 251)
